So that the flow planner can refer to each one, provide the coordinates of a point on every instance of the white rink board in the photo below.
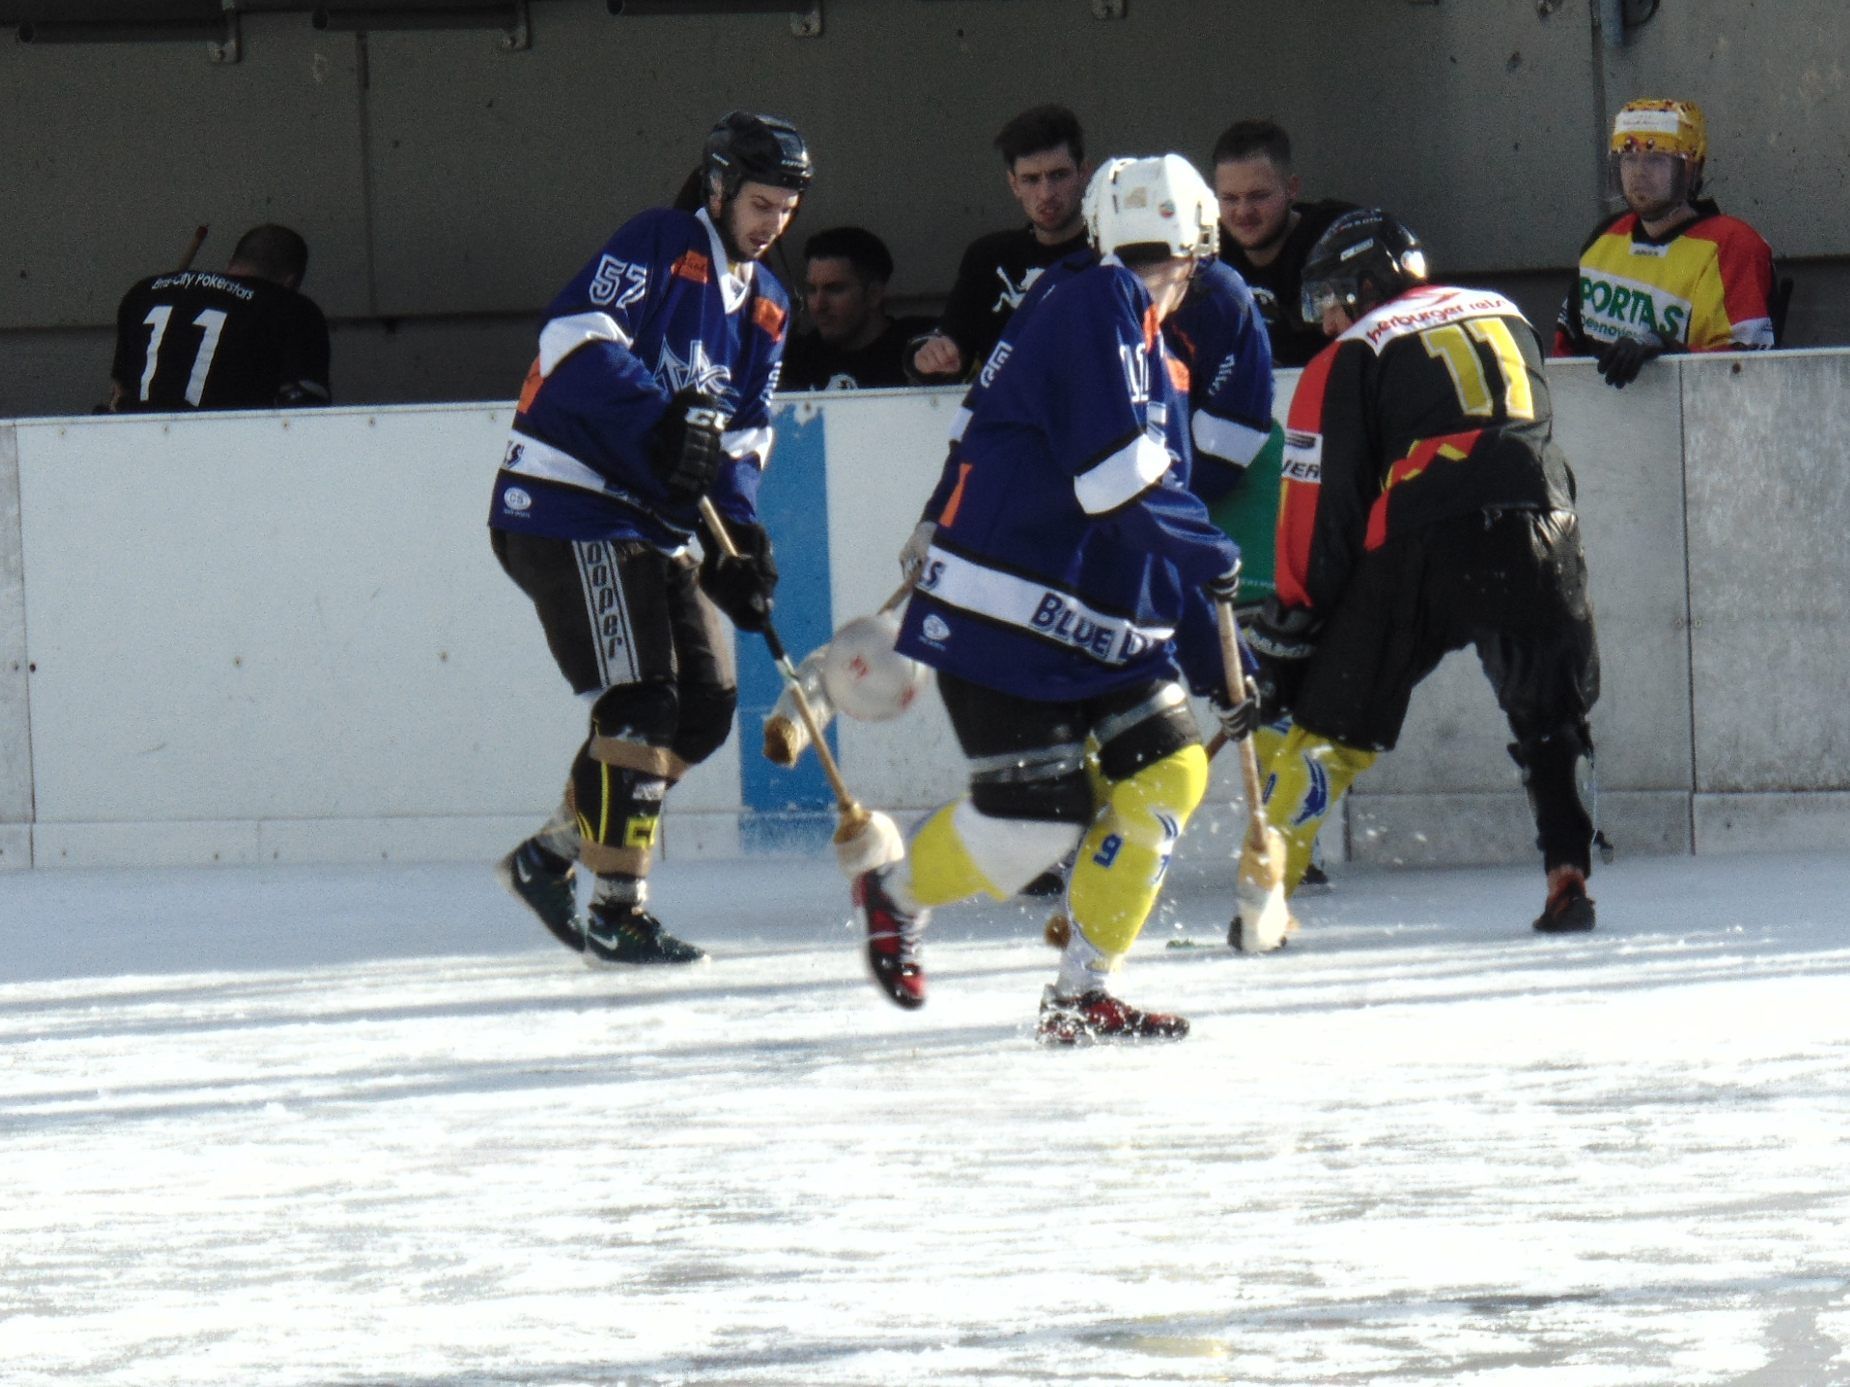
(276, 618)
(283, 638)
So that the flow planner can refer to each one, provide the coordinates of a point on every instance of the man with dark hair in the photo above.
(244, 339)
(1044, 156)
(650, 397)
(854, 343)
(1267, 232)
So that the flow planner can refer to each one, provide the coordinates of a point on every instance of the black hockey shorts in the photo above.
(621, 612)
(1028, 757)
(1511, 583)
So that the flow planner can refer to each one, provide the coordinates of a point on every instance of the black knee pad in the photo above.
(1049, 785)
(1158, 725)
(706, 721)
(646, 712)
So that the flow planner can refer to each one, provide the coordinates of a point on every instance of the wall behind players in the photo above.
(281, 637)
(447, 185)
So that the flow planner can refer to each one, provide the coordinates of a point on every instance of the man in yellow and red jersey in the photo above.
(1670, 272)
(1426, 507)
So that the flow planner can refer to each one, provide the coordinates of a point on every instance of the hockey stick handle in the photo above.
(900, 594)
(849, 806)
(193, 244)
(1234, 669)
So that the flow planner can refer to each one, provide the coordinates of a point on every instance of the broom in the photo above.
(864, 838)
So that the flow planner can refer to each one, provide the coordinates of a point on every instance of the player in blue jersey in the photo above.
(1063, 557)
(651, 391)
(1218, 339)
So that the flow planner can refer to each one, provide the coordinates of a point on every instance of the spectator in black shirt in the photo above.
(244, 339)
(1266, 233)
(1044, 153)
(854, 343)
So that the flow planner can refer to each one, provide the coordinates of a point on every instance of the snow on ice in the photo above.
(369, 1126)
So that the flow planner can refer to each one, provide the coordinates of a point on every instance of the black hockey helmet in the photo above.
(763, 149)
(1366, 257)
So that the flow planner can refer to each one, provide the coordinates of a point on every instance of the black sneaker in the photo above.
(892, 942)
(1098, 1016)
(617, 934)
(1569, 909)
(1314, 879)
(542, 882)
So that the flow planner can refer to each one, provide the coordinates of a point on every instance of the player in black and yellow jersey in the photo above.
(1426, 508)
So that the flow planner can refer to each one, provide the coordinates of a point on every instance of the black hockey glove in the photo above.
(1621, 361)
(1283, 639)
(741, 587)
(685, 447)
(1238, 720)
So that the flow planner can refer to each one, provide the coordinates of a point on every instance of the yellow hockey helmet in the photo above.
(1661, 127)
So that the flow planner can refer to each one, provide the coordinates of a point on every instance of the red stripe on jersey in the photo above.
(949, 513)
(1297, 500)
(1451, 447)
(529, 388)
(1746, 265)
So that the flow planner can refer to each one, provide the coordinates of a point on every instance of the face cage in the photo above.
(1319, 296)
(1683, 189)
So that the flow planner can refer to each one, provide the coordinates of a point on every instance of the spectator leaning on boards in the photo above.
(1670, 273)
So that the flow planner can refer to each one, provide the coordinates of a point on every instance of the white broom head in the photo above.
(1265, 919)
(869, 844)
(865, 677)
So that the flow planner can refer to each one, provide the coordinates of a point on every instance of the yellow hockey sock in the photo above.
(1125, 852)
(960, 852)
(1304, 780)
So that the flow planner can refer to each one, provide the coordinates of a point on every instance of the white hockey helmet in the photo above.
(865, 677)
(1158, 208)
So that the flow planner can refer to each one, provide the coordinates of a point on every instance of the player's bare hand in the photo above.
(938, 356)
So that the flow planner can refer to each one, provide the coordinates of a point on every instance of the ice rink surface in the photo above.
(369, 1126)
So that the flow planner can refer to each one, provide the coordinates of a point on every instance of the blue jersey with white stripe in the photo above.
(1218, 334)
(658, 310)
(1068, 542)
(1220, 339)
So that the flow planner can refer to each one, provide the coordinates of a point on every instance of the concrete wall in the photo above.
(448, 185)
(281, 637)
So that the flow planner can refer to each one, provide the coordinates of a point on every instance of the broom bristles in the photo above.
(1265, 919)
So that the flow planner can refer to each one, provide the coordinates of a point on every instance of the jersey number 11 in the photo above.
(210, 322)
(1452, 344)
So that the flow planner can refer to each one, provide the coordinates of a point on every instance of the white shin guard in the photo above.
(1013, 852)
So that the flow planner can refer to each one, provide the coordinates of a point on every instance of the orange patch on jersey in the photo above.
(530, 387)
(1178, 372)
(1152, 328)
(769, 317)
(695, 266)
(1297, 501)
(949, 513)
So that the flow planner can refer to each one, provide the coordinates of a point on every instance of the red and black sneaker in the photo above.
(892, 942)
(1097, 1016)
(1569, 909)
